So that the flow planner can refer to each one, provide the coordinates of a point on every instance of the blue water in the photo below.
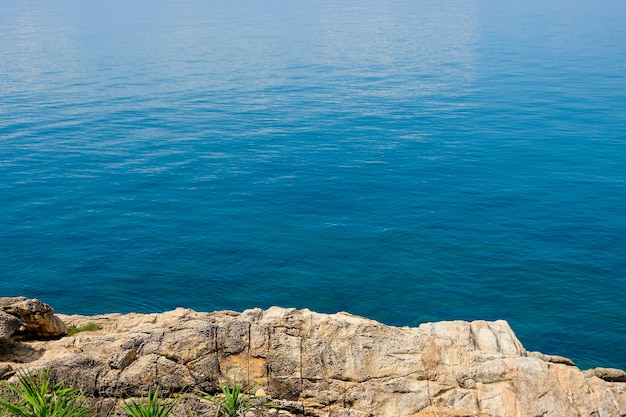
(404, 160)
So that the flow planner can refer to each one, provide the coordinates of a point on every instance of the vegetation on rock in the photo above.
(36, 396)
(89, 327)
(154, 406)
(234, 402)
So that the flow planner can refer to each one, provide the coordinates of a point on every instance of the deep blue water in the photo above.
(404, 160)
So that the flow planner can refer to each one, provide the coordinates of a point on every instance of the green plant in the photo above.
(154, 406)
(234, 402)
(89, 327)
(37, 396)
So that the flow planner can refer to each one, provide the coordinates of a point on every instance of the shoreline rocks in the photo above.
(37, 320)
(322, 365)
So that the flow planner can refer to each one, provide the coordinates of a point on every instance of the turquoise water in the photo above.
(407, 161)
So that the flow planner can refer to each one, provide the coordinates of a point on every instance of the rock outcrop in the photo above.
(9, 325)
(324, 365)
(37, 320)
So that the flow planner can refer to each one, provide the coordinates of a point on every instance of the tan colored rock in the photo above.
(38, 319)
(9, 324)
(445, 412)
(552, 358)
(607, 374)
(327, 365)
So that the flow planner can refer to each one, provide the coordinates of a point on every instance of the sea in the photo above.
(408, 161)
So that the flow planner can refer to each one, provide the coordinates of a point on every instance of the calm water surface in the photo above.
(408, 161)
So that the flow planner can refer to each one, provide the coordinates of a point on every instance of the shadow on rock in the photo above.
(16, 352)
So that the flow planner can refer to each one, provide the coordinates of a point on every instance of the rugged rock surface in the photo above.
(9, 325)
(37, 319)
(607, 374)
(324, 365)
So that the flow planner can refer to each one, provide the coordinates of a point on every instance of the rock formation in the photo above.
(9, 324)
(37, 319)
(324, 365)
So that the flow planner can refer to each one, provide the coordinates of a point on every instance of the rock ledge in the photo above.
(316, 364)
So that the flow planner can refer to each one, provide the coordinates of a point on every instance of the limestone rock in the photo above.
(552, 358)
(444, 412)
(8, 325)
(38, 319)
(319, 365)
(607, 374)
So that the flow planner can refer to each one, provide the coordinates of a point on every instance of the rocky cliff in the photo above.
(316, 364)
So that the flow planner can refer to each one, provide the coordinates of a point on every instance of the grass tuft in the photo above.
(153, 406)
(89, 327)
(234, 402)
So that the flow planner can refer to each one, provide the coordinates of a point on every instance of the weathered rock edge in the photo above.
(28, 317)
(323, 365)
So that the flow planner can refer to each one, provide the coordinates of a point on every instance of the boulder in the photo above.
(8, 325)
(326, 365)
(607, 374)
(38, 319)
